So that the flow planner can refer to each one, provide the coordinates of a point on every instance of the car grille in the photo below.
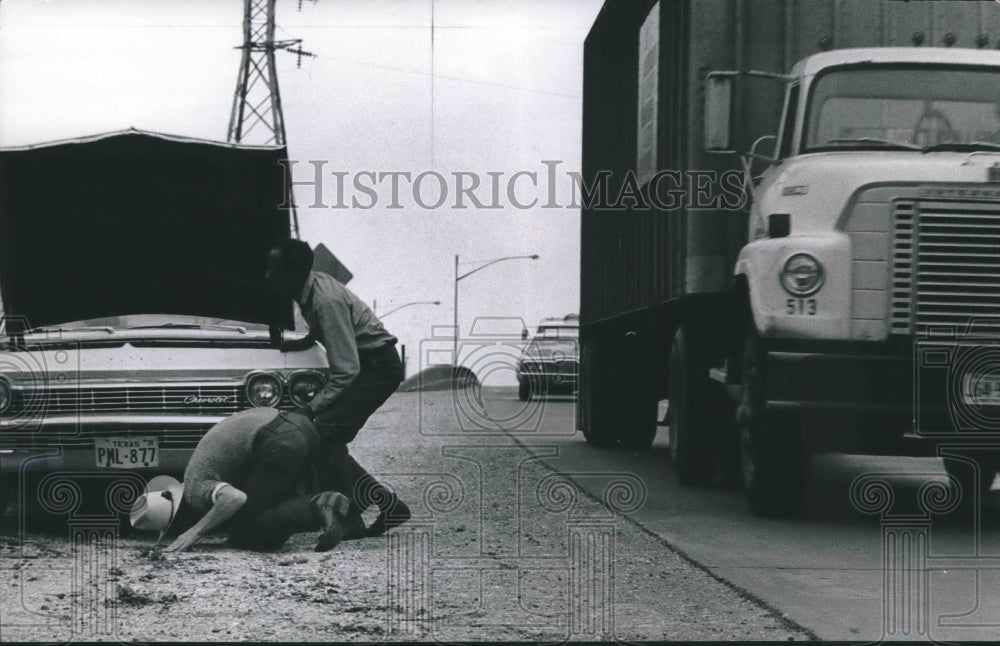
(551, 367)
(187, 400)
(138, 401)
(946, 267)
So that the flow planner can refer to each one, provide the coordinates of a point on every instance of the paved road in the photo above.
(838, 572)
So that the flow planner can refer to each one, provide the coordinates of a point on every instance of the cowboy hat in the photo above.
(156, 509)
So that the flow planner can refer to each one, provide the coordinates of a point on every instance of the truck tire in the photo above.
(774, 467)
(974, 483)
(690, 415)
(637, 383)
(728, 449)
(623, 395)
(773, 457)
(641, 431)
(524, 390)
(6, 496)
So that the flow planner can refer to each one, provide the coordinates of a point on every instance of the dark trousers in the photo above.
(339, 423)
(275, 509)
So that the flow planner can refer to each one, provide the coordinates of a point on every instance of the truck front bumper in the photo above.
(905, 396)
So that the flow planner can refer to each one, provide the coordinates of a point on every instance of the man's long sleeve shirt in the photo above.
(345, 325)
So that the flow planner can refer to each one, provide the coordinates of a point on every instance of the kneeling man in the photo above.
(244, 476)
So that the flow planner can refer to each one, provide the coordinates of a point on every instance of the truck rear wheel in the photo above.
(6, 496)
(623, 394)
(772, 451)
(524, 390)
(641, 429)
(690, 413)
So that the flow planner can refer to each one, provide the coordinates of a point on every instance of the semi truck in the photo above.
(791, 233)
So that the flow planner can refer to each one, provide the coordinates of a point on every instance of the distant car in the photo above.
(550, 361)
(136, 315)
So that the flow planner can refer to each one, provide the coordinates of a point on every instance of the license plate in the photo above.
(126, 452)
(981, 390)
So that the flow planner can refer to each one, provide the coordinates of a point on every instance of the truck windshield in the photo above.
(903, 107)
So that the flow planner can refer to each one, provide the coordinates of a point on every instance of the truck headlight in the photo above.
(802, 275)
(264, 389)
(303, 386)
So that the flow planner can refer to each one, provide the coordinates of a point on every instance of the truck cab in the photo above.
(869, 288)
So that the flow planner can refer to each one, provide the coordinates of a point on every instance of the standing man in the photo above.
(244, 476)
(365, 370)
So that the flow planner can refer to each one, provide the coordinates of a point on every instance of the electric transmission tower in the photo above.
(257, 101)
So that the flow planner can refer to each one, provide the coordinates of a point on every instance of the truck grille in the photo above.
(187, 400)
(946, 267)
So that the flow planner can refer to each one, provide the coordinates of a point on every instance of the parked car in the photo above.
(136, 315)
(550, 361)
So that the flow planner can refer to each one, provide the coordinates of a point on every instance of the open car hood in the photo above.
(136, 222)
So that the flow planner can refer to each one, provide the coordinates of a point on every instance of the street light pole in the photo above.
(454, 350)
(466, 275)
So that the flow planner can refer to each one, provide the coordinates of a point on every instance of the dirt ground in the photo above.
(500, 548)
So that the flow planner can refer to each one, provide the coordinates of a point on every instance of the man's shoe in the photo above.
(354, 525)
(330, 508)
(394, 514)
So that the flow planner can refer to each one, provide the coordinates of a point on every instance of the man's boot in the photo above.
(394, 513)
(330, 509)
(354, 524)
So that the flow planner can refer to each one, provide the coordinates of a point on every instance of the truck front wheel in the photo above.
(773, 456)
(690, 412)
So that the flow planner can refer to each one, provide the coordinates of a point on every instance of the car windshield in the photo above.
(558, 332)
(904, 107)
(548, 347)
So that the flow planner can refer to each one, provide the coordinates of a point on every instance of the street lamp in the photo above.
(382, 316)
(466, 275)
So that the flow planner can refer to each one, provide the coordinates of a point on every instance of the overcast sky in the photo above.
(499, 92)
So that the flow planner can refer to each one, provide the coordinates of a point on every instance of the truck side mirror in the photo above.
(718, 112)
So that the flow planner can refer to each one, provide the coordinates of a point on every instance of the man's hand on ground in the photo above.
(184, 541)
(228, 501)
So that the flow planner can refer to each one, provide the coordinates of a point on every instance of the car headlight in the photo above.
(264, 389)
(5, 395)
(303, 386)
(802, 275)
